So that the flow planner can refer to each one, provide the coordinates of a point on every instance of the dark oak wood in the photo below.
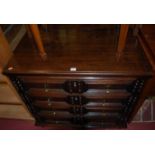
(92, 51)
(81, 83)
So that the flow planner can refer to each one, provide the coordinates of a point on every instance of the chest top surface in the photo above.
(79, 49)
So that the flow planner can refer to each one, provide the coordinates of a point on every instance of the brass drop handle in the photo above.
(74, 83)
(49, 102)
(54, 113)
(104, 101)
(107, 89)
(46, 87)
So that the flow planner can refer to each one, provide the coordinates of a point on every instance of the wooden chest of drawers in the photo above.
(81, 101)
(100, 93)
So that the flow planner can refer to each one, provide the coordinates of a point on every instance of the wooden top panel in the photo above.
(89, 48)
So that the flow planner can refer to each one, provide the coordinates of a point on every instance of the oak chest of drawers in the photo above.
(81, 102)
(99, 93)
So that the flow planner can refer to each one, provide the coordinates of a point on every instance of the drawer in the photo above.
(70, 99)
(90, 116)
(58, 94)
(88, 102)
(79, 85)
(102, 116)
(89, 125)
(56, 81)
(55, 115)
(67, 125)
(90, 107)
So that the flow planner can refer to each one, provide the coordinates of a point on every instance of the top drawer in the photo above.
(77, 85)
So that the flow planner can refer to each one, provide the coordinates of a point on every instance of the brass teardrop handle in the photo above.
(49, 102)
(46, 87)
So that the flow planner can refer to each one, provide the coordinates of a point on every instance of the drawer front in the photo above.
(90, 107)
(89, 125)
(81, 101)
(77, 85)
(90, 94)
(55, 81)
(79, 119)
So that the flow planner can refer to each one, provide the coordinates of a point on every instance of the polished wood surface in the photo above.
(89, 49)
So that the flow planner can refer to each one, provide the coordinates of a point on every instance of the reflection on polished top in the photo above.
(80, 49)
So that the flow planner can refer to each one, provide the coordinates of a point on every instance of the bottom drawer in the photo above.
(14, 112)
(79, 119)
(89, 125)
